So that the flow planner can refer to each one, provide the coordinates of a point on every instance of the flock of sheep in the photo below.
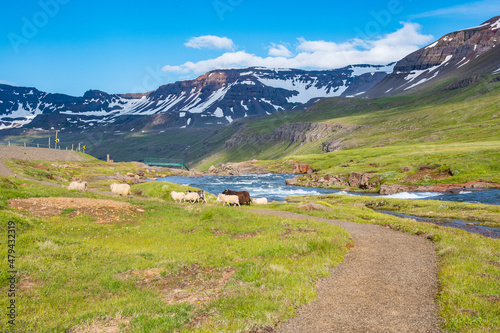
(227, 197)
(119, 189)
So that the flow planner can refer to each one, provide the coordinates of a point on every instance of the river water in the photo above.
(272, 187)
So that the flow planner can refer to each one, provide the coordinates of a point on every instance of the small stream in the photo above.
(469, 226)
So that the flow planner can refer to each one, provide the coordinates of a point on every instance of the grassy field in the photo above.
(63, 172)
(162, 266)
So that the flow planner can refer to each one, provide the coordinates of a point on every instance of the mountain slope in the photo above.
(216, 98)
(457, 54)
(457, 127)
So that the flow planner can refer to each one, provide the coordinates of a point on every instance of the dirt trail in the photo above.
(36, 154)
(387, 283)
(5, 171)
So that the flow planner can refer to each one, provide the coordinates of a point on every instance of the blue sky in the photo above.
(71, 46)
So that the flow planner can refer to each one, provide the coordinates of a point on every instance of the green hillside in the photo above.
(458, 128)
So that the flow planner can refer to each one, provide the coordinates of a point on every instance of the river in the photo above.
(272, 187)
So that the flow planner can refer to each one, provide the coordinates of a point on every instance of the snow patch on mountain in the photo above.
(360, 70)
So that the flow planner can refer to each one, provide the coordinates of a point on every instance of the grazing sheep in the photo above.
(201, 193)
(120, 189)
(177, 196)
(229, 199)
(192, 197)
(259, 201)
(243, 196)
(78, 185)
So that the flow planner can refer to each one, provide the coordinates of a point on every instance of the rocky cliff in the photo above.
(302, 132)
(463, 54)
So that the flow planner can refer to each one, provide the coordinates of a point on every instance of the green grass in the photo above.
(467, 161)
(73, 271)
(62, 172)
(469, 268)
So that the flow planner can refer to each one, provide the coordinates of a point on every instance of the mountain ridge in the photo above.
(215, 98)
(443, 58)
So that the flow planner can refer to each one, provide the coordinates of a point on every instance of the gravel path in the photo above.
(40, 154)
(387, 283)
(35, 154)
(4, 170)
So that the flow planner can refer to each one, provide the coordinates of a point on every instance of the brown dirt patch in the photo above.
(290, 231)
(193, 284)
(490, 298)
(105, 325)
(26, 283)
(187, 232)
(103, 211)
(429, 172)
(218, 232)
(247, 234)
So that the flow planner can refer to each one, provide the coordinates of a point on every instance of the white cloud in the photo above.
(277, 50)
(479, 8)
(210, 42)
(319, 54)
(7, 82)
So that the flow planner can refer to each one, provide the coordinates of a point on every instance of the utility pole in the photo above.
(79, 146)
(49, 142)
(55, 145)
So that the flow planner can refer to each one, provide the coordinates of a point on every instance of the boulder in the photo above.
(393, 189)
(314, 206)
(195, 173)
(302, 168)
(292, 181)
(212, 169)
(59, 178)
(362, 180)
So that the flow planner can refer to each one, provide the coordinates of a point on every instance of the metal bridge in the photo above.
(166, 162)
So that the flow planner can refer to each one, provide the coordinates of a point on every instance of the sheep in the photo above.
(201, 193)
(229, 199)
(243, 196)
(192, 197)
(259, 201)
(78, 185)
(177, 196)
(120, 189)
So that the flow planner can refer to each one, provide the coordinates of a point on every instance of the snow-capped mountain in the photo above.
(218, 97)
(465, 53)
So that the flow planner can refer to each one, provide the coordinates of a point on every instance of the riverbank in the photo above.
(370, 183)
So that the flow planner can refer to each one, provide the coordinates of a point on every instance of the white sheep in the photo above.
(259, 201)
(78, 185)
(192, 197)
(229, 199)
(177, 196)
(120, 189)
